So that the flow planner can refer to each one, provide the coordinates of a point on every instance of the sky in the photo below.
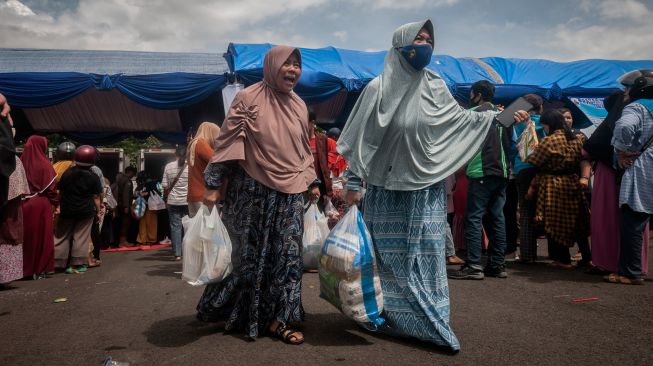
(554, 29)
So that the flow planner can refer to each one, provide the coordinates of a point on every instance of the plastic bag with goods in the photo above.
(348, 276)
(206, 248)
(316, 231)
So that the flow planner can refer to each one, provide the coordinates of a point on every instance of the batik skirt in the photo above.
(266, 228)
(408, 230)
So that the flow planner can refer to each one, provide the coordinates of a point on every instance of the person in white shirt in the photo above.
(175, 188)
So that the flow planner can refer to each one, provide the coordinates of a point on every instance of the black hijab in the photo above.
(599, 145)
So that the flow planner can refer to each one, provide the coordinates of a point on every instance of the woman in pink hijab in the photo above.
(261, 166)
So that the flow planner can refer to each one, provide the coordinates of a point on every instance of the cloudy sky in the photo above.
(553, 29)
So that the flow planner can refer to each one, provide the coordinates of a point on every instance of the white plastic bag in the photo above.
(155, 202)
(348, 276)
(316, 230)
(206, 248)
(341, 251)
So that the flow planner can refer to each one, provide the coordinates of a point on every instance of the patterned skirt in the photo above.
(266, 228)
(408, 230)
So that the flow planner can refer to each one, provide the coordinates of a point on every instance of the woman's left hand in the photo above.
(625, 159)
(314, 194)
(522, 116)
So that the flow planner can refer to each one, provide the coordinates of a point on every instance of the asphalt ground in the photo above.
(136, 308)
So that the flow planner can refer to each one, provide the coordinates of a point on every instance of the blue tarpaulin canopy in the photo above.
(328, 70)
(42, 79)
(39, 79)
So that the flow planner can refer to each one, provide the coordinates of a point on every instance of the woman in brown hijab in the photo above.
(261, 166)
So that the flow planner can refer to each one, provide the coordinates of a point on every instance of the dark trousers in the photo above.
(558, 252)
(527, 228)
(630, 252)
(102, 237)
(510, 214)
(485, 194)
(584, 247)
(120, 226)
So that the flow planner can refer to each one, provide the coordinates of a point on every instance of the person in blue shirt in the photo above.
(633, 134)
(524, 174)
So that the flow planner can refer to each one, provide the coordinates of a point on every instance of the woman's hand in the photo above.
(314, 194)
(353, 198)
(522, 116)
(625, 159)
(211, 197)
(584, 182)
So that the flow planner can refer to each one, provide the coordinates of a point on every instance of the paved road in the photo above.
(135, 308)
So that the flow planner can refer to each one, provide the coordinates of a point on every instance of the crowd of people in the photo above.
(434, 180)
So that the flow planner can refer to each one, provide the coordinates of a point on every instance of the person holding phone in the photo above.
(488, 178)
(404, 137)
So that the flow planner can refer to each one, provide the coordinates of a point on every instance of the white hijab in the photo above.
(406, 131)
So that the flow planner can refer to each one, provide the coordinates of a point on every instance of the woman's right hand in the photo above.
(211, 197)
(352, 198)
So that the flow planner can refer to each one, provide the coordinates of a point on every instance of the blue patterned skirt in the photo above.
(408, 230)
(265, 227)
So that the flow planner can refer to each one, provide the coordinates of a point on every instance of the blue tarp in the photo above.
(328, 70)
(325, 71)
(514, 77)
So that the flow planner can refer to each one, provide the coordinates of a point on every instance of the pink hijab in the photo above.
(266, 131)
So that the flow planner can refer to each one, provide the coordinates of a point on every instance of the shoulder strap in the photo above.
(174, 182)
(647, 144)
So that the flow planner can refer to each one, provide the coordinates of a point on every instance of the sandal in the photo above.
(615, 278)
(287, 335)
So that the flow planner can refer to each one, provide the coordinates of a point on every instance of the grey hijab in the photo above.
(406, 132)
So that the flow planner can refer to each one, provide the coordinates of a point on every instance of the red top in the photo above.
(335, 161)
(203, 153)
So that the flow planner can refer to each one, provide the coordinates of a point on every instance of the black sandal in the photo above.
(287, 335)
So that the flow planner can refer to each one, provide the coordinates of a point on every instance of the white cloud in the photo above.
(164, 25)
(16, 7)
(341, 35)
(623, 9)
(400, 4)
(600, 41)
(621, 29)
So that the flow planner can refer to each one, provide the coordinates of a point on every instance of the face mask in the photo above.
(418, 56)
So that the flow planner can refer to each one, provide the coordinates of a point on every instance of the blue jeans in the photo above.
(487, 194)
(176, 229)
(630, 251)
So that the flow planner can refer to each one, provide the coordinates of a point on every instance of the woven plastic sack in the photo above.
(316, 231)
(206, 248)
(348, 277)
(527, 141)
